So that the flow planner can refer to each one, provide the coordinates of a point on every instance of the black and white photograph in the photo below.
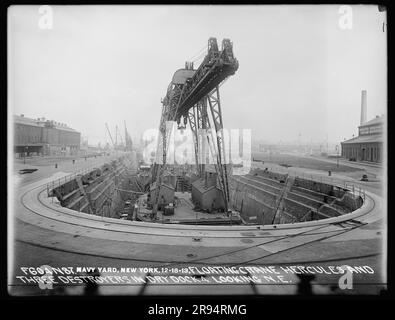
(197, 150)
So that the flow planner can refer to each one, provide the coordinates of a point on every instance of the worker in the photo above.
(213, 206)
(171, 208)
(135, 211)
(163, 202)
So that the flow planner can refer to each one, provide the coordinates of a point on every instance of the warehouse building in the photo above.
(44, 137)
(368, 145)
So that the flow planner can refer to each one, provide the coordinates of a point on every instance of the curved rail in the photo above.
(226, 253)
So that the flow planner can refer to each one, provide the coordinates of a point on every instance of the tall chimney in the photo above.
(363, 107)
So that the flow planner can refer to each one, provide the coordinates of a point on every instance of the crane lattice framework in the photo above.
(188, 97)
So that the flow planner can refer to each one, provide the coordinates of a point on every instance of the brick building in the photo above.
(368, 146)
(44, 137)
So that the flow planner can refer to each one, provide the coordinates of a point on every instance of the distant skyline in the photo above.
(299, 73)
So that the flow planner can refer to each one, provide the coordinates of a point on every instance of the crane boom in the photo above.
(128, 139)
(190, 86)
(120, 135)
(109, 133)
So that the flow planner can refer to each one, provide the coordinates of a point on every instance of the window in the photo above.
(363, 131)
(376, 129)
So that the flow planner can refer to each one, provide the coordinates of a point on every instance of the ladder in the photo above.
(280, 203)
(82, 189)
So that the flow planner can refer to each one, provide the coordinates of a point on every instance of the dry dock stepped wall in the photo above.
(266, 197)
(97, 192)
(262, 197)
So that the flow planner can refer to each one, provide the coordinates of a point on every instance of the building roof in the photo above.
(365, 139)
(163, 184)
(40, 122)
(26, 121)
(201, 186)
(38, 144)
(377, 120)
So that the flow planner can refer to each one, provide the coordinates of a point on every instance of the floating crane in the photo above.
(188, 96)
(118, 133)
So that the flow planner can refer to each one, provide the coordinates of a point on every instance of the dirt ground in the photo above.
(301, 161)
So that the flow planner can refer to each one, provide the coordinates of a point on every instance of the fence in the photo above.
(57, 183)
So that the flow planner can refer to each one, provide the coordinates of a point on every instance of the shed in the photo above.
(207, 197)
(166, 191)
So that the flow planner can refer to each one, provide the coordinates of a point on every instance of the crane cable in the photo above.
(201, 56)
(198, 53)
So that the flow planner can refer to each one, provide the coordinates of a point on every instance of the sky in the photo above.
(300, 74)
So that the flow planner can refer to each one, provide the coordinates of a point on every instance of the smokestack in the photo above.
(363, 107)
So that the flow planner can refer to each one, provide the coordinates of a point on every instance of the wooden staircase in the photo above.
(279, 207)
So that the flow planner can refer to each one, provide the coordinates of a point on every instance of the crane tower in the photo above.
(190, 96)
